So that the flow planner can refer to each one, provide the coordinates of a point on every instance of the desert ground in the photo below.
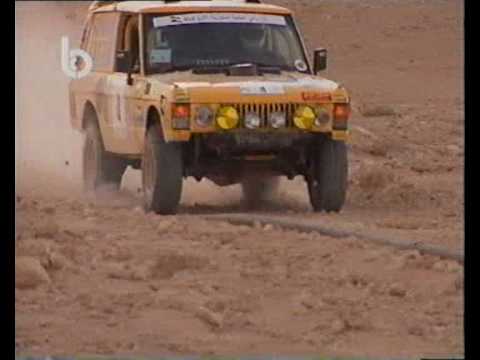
(99, 276)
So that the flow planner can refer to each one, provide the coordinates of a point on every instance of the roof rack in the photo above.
(96, 4)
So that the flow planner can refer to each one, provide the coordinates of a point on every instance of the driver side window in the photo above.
(101, 41)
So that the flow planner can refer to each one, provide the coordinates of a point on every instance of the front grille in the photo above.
(264, 110)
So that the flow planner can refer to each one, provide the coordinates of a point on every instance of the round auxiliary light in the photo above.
(304, 117)
(252, 120)
(277, 120)
(323, 116)
(227, 117)
(204, 116)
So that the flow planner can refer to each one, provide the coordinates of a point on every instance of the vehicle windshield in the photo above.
(220, 40)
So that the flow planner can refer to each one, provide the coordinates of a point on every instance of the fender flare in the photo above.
(88, 105)
(146, 119)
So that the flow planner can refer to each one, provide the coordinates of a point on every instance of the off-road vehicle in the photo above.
(222, 90)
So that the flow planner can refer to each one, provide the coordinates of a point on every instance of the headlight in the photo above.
(277, 120)
(304, 117)
(204, 116)
(227, 117)
(252, 120)
(323, 116)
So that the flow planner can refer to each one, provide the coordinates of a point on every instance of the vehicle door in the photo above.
(99, 43)
(125, 87)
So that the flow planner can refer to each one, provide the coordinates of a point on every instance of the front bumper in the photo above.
(245, 141)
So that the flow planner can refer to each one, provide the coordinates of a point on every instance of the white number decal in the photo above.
(119, 121)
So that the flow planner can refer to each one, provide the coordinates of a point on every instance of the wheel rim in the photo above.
(90, 161)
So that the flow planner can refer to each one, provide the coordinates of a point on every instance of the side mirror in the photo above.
(319, 60)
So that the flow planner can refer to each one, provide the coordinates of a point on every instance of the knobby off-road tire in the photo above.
(100, 169)
(257, 191)
(162, 173)
(327, 186)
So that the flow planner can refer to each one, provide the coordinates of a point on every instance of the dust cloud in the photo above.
(47, 150)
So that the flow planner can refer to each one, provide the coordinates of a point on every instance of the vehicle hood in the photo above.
(285, 87)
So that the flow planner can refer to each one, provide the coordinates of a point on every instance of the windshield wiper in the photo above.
(210, 70)
(233, 68)
(264, 68)
(174, 68)
(226, 69)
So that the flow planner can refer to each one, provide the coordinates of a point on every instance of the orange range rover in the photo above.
(222, 90)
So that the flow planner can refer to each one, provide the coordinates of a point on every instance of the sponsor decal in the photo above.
(228, 18)
(161, 56)
(262, 89)
(300, 65)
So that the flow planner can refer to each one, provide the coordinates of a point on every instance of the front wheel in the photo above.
(327, 184)
(162, 173)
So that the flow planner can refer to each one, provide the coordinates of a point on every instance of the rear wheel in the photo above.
(100, 169)
(162, 173)
(327, 185)
(257, 191)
